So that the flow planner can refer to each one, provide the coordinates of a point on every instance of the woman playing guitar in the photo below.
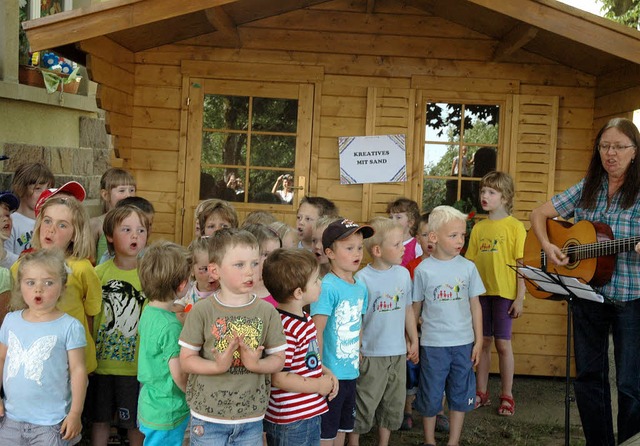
(609, 193)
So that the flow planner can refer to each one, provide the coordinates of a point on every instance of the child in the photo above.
(389, 317)
(422, 237)
(202, 284)
(44, 378)
(298, 391)
(63, 224)
(216, 215)
(163, 414)
(28, 182)
(231, 343)
(449, 286)
(407, 214)
(114, 385)
(288, 237)
(115, 184)
(337, 315)
(268, 241)
(259, 218)
(145, 206)
(496, 243)
(309, 211)
(318, 249)
(8, 203)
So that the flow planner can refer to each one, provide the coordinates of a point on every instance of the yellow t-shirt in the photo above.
(494, 246)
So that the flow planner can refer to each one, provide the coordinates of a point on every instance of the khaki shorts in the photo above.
(380, 393)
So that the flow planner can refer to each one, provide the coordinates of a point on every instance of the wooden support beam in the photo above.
(515, 39)
(106, 18)
(371, 4)
(224, 24)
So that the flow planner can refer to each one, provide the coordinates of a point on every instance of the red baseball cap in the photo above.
(72, 188)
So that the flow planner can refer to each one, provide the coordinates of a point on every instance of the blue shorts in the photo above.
(154, 437)
(298, 433)
(496, 320)
(447, 369)
(341, 416)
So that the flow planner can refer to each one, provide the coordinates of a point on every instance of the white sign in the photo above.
(372, 159)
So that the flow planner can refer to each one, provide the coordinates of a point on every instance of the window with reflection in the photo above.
(461, 145)
(248, 146)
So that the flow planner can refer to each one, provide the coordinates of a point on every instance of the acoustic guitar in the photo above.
(591, 249)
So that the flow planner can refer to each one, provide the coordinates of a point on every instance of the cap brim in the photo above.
(74, 188)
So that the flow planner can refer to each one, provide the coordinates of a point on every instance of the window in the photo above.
(461, 145)
(248, 142)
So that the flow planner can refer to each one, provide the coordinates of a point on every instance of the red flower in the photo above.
(471, 215)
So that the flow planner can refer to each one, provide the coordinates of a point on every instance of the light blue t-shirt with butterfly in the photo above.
(35, 377)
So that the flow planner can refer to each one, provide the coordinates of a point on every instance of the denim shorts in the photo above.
(301, 432)
(205, 433)
(154, 437)
(21, 432)
(450, 369)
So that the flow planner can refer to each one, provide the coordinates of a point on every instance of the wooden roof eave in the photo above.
(573, 24)
(106, 18)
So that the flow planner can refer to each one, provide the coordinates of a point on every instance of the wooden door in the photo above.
(241, 136)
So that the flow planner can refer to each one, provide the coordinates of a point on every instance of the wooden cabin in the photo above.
(198, 94)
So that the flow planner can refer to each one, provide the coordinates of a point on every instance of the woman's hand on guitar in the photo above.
(555, 254)
(637, 248)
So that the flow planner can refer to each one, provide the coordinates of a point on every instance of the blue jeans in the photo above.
(303, 432)
(204, 433)
(592, 324)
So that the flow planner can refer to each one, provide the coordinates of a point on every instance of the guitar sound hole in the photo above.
(573, 260)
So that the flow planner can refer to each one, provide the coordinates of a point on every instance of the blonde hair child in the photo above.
(45, 397)
(63, 224)
(268, 241)
(202, 284)
(407, 213)
(115, 184)
(286, 233)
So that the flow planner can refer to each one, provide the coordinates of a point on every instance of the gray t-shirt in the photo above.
(383, 323)
(35, 377)
(238, 395)
(445, 287)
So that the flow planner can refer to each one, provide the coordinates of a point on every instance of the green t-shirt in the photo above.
(237, 395)
(161, 404)
(5, 280)
(116, 327)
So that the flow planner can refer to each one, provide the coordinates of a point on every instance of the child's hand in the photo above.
(413, 354)
(475, 353)
(515, 311)
(249, 356)
(1, 408)
(71, 426)
(325, 384)
(225, 359)
(335, 388)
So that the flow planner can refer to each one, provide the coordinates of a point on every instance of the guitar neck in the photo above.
(604, 248)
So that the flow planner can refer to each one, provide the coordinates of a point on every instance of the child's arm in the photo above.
(178, 375)
(417, 311)
(192, 362)
(254, 361)
(515, 310)
(334, 380)
(292, 382)
(476, 318)
(411, 330)
(320, 321)
(72, 425)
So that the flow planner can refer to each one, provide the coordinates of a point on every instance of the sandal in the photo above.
(507, 406)
(482, 399)
(407, 422)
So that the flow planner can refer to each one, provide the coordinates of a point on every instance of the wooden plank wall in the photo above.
(617, 95)
(369, 61)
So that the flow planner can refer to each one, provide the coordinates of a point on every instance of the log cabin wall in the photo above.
(377, 69)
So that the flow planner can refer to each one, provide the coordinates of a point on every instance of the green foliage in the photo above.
(626, 12)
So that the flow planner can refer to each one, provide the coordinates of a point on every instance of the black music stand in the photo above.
(568, 289)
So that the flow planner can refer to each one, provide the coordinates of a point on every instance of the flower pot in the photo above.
(33, 76)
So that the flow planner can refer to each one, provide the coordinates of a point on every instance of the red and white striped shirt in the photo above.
(302, 358)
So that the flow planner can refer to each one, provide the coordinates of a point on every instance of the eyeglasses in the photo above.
(616, 148)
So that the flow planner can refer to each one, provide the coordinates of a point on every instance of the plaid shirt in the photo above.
(625, 282)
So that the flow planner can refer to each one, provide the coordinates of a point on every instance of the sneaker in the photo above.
(442, 423)
(407, 422)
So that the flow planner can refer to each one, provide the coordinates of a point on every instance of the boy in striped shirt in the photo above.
(298, 392)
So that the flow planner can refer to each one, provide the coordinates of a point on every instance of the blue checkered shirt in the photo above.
(625, 282)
